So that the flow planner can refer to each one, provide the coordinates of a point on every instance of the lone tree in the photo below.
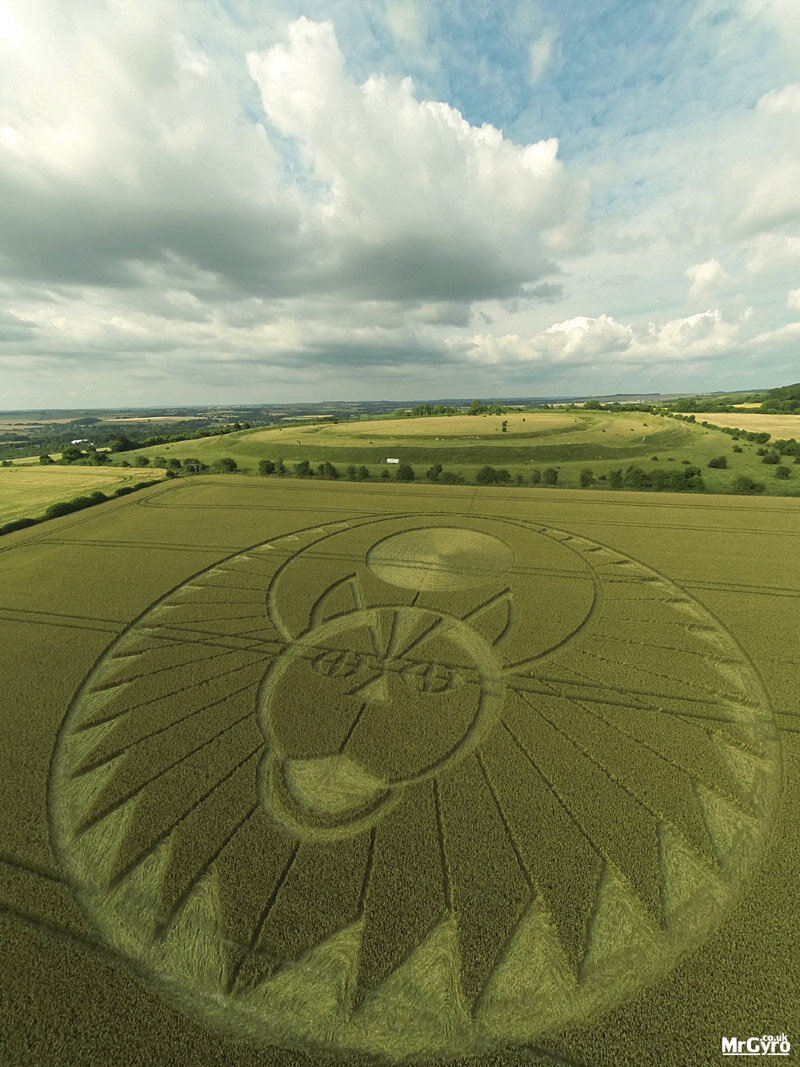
(587, 477)
(405, 473)
(226, 465)
(266, 466)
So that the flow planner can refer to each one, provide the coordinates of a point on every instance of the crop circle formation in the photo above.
(408, 785)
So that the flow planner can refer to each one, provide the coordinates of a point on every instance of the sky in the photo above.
(238, 201)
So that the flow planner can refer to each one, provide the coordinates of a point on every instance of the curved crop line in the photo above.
(317, 609)
(272, 612)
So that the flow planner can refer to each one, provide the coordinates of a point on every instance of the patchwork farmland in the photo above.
(380, 773)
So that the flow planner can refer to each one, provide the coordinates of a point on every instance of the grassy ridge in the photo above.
(569, 442)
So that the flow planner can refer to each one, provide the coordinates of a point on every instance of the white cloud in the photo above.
(784, 15)
(706, 278)
(405, 22)
(773, 252)
(778, 101)
(777, 339)
(540, 54)
(793, 299)
(411, 196)
(161, 211)
(585, 341)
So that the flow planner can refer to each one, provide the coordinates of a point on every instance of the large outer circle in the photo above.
(128, 810)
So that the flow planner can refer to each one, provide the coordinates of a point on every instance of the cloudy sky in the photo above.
(211, 201)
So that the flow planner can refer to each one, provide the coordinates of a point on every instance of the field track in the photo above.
(297, 773)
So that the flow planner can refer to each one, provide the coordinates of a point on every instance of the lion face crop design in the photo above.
(404, 787)
(366, 704)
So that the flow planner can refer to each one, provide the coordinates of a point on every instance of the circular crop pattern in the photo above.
(401, 787)
(347, 731)
(440, 558)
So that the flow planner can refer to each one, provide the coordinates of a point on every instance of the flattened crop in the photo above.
(414, 784)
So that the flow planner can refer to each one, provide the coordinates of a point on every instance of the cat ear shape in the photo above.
(339, 599)
(495, 619)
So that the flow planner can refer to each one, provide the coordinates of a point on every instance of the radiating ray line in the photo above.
(604, 770)
(165, 923)
(394, 630)
(640, 667)
(643, 744)
(209, 639)
(610, 636)
(169, 667)
(262, 920)
(356, 687)
(598, 894)
(632, 703)
(487, 604)
(426, 633)
(567, 810)
(509, 832)
(355, 723)
(87, 825)
(126, 870)
(227, 618)
(594, 683)
(154, 733)
(368, 871)
(159, 699)
(448, 893)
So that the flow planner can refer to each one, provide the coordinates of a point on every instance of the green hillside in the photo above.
(570, 441)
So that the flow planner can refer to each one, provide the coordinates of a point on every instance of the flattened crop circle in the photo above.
(440, 558)
(465, 884)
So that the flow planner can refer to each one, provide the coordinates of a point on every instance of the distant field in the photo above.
(780, 426)
(296, 773)
(25, 492)
(566, 441)
(460, 441)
